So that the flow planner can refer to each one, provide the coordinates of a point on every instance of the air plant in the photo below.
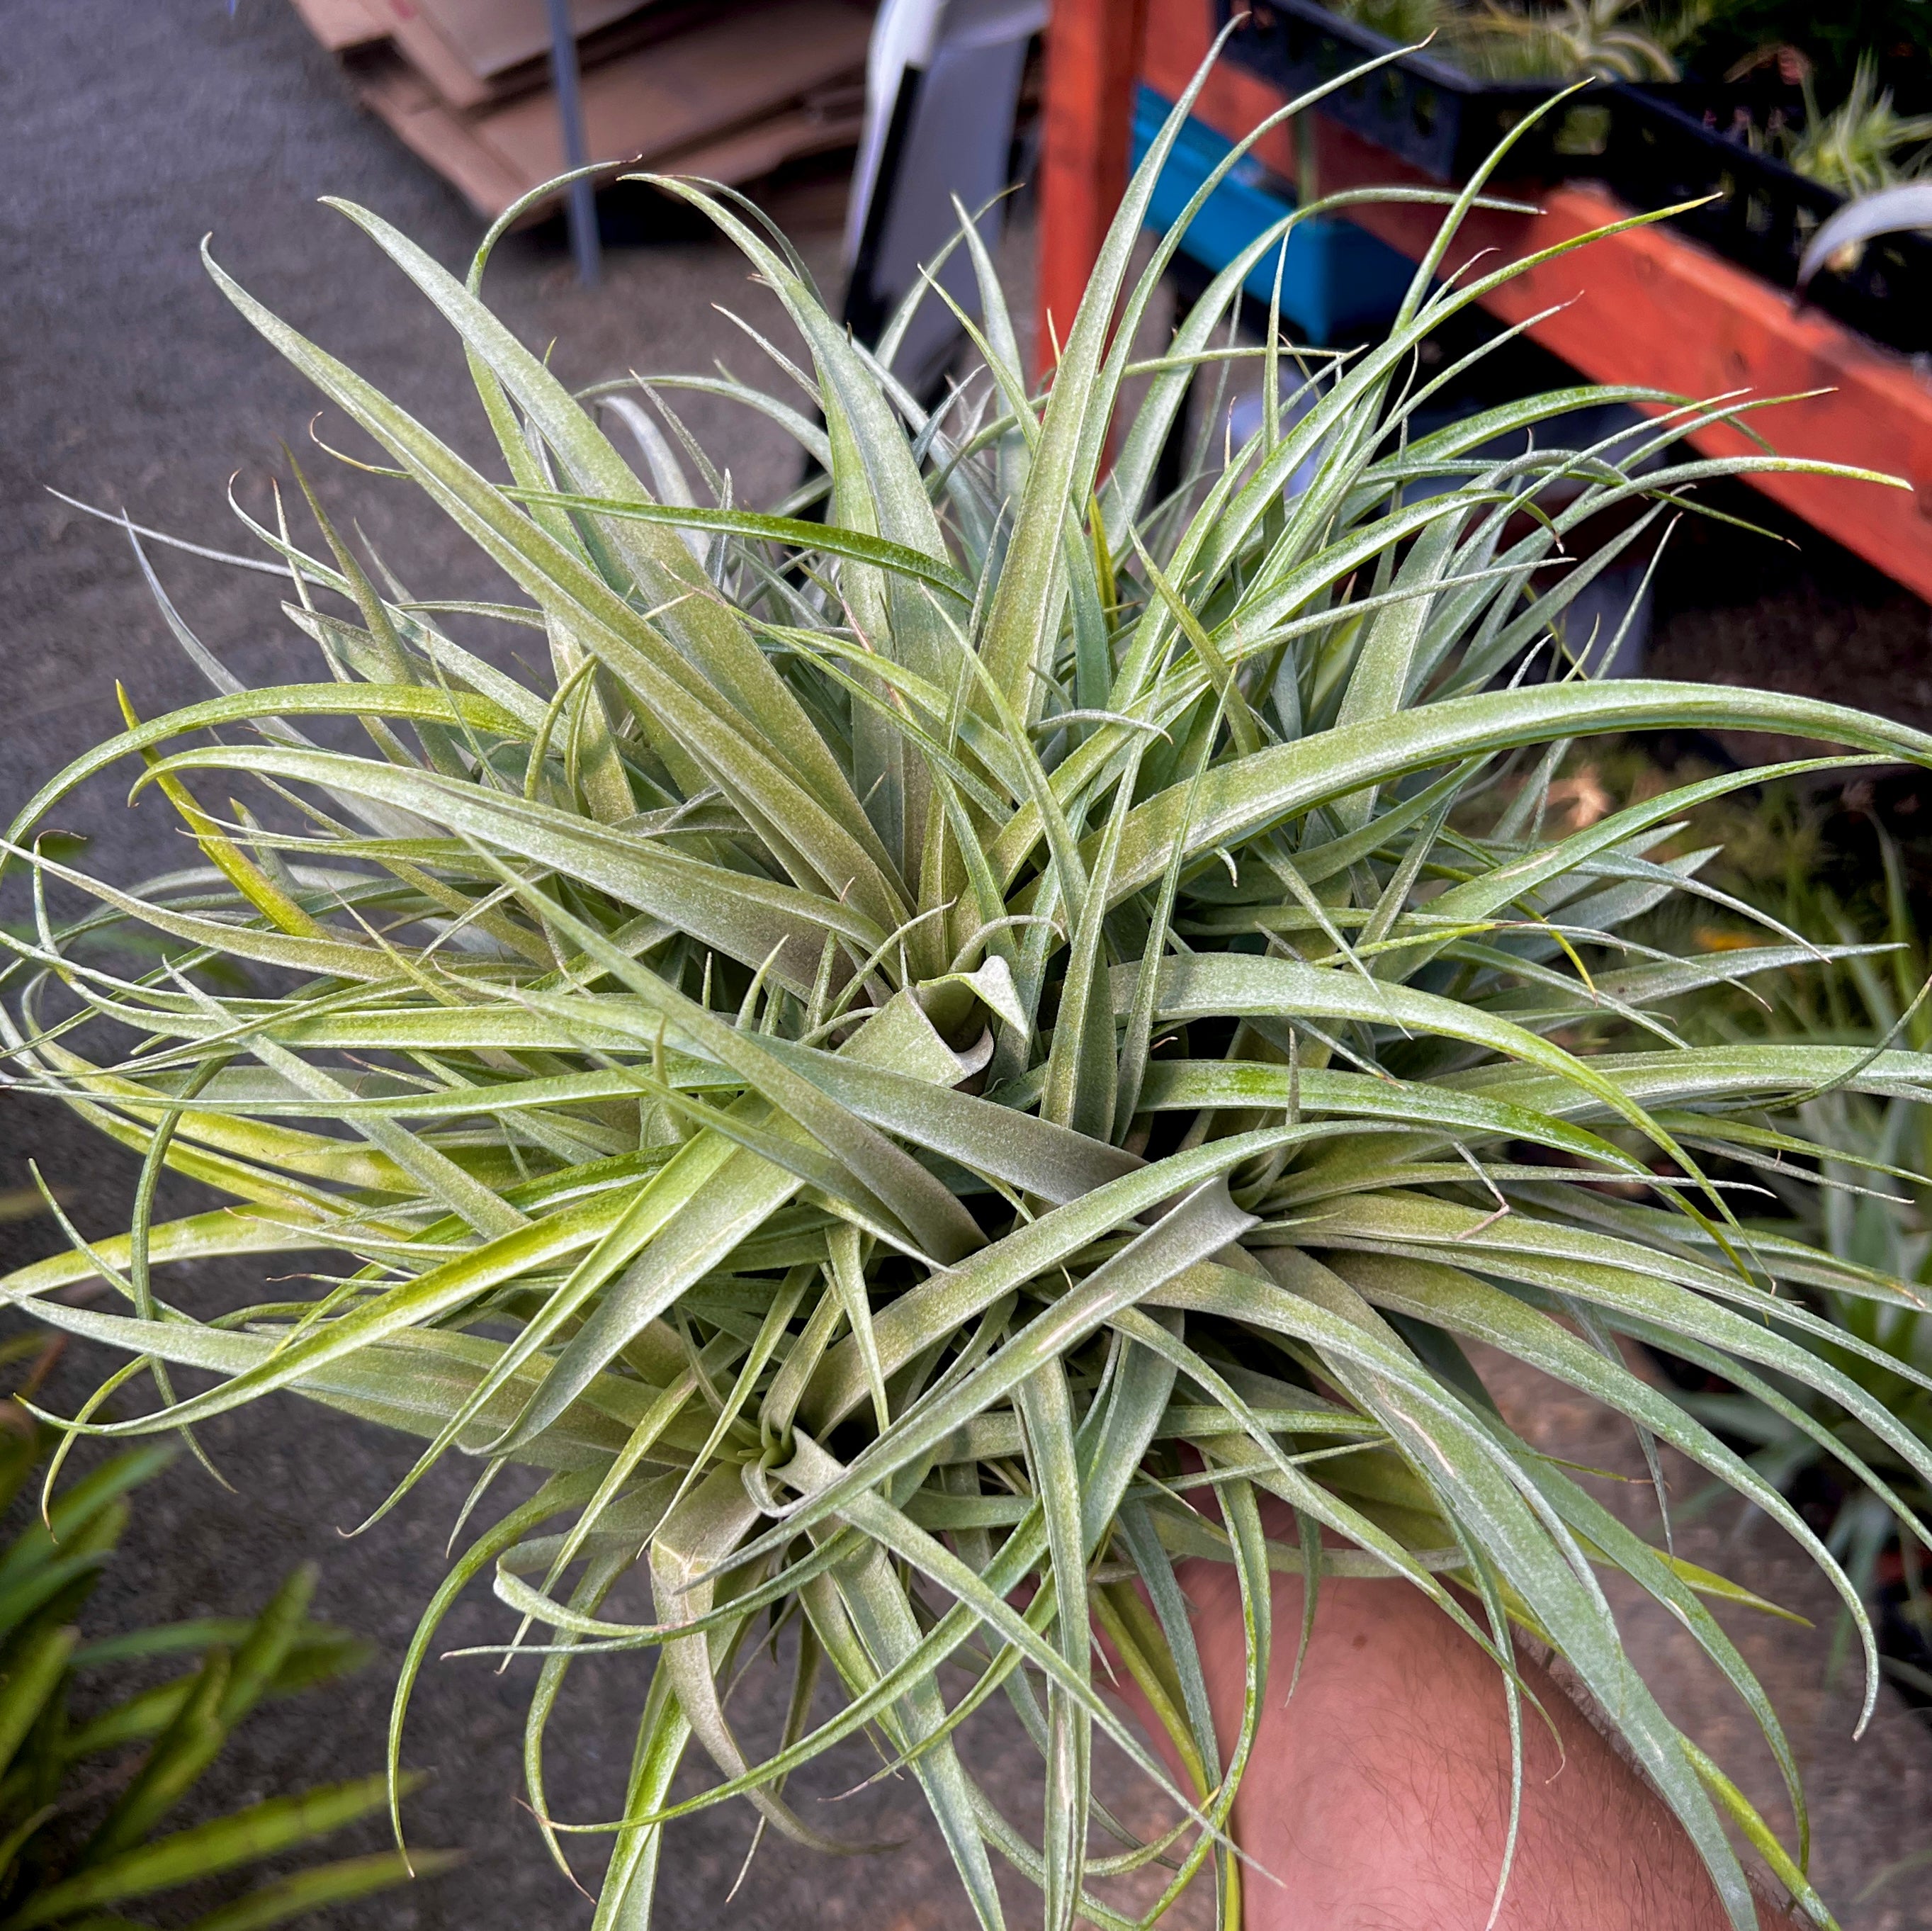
(1607, 40)
(941, 1034)
(1577, 40)
(1863, 145)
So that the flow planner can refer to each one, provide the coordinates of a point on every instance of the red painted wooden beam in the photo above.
(1093, 58)
(1647, 306)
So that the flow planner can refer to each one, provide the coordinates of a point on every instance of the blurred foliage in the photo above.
(1897, 35)
(97, 1754)
(1614, 40)
(1828, 864)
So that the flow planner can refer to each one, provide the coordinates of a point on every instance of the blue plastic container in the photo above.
(1338, 280)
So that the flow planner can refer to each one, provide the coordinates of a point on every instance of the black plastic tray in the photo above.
(1693, 141)
(1656, 146)
(1431, 113)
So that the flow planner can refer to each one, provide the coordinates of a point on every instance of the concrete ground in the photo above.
(125, 380)
(1871, 1799)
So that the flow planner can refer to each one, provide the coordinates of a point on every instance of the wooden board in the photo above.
(732, 99)
(463, 47)
(664, 97)
(1646, 306)
(1092, 57)
(767, 143)
(435, 132)
(340, 25)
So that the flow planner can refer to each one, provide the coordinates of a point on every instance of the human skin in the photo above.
(1377, 1796)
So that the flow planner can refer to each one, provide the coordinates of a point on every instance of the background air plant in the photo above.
(1576, 40)
(1610, 40)
(938, 1038)
(1863, 1203)
(1864, 144)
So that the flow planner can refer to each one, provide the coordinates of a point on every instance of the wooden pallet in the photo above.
(729, 91)
(340, 26)
(471, 51)
(1646, 306)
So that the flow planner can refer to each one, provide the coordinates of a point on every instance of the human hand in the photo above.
(1377, 1794)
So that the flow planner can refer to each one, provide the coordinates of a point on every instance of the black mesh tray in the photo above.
(1682, 143)
(1431, 113)
(1656, 146)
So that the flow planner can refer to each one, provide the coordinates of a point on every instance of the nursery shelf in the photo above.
(1646, 306)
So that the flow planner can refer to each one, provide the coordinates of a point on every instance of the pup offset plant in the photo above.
(945, 1053)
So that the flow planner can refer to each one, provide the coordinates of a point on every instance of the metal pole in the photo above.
(583, 242)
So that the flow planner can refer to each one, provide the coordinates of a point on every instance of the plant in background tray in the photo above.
(927, 1043)
(1864, 144)
(92, 1775)
(1739, 33)
(1608, 40)
(1575, 40)
(1408, 23)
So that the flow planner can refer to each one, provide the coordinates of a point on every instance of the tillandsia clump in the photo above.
(941, 1037)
